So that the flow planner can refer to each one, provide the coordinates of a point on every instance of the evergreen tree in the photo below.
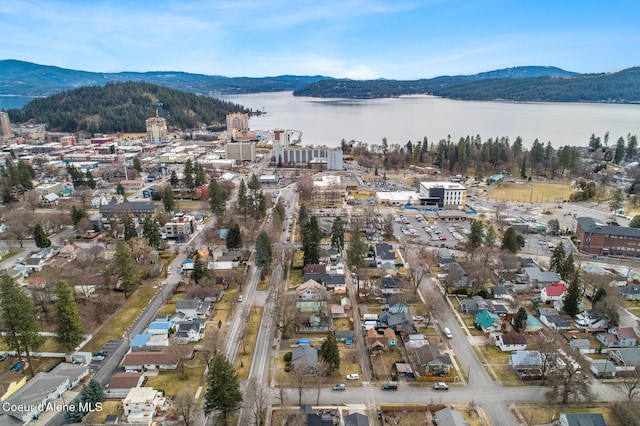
(199, 177)
(93, 393)
(311, 237)
(356, 250)
(523, 168)
(234, 237)
(188, 174)
(303, 215)
(76, 414)
(243, 199)
(137, 165)
(600, 294)
(217, 198)
(635, 222)
(199, 270)
(123, 269)
(617, 202)
(119, 189)
(568, 268)
(168, 199)
(520, 320)
(223, 388)
(89, 180)
(476, 235)
(20, 322)
(69, 328)
(571, 301)
(129, 229)
(151, 231)
(490, 236)
(173, 180)
(337, 234)
(263, 251)
(40, 237)
(510, 240)
(330, 353)
(77, 214)
(557, 259)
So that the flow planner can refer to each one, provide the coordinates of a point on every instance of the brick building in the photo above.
(594, 237)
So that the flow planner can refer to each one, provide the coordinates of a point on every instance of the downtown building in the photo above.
(443, 194)
(323, 157)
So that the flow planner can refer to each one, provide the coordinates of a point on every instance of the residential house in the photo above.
(376, 342)
(356, 419)
(346, 335)
(552, 292)
(391, 285)
(160, 327)
(532, 326)
(527, 364)
(500, 292)
(477, 304)
(315, 268)
(630, 292)
(400, 322)
(432, 360)
(49, 200)
(384, 254)
(11, 382)
(122, 382)
(582, 419)
(156, 360)
(626, 359)
(590, 319)
(337, 311)
(396, 304)
(305, 357)
(316, 324)
(535, 278)
(415, 340)
(311, 290)
(552, 319)
(328, 280)
(193, 308)
(74, 372)
(510, 341)
(618, 337)
(582, 345)
(141, 404)
(488, 322)
(449, 416)
(189, 331)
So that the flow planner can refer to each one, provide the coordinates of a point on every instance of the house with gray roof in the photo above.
(527, 364)
(582, 419)
(552, 319)
(626, 359)
(192, 309)
(432, 360)
(356, 419)
(630, 292)
(477, 304)
(535, 278)
(449, 416)
(384, 253)
(305, 357)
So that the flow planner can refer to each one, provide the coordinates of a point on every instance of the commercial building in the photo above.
(443, 194)
(594, 237)
(157, 130)
(328, 190)
(240, 151)
(330, 158)
(239, 121)
(5, 126)
(180, 227)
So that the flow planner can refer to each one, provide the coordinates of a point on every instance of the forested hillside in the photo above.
(622, 86)
(123, 107)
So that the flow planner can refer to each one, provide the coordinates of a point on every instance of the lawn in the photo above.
(536, 192)
(171, 382)
(248, 343)
(118, 323)
(493, 354)
(545, 414)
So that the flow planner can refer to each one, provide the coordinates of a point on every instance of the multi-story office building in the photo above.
(594, 237)
(329, 190)
(240, 151)
(181, 227)
(443, 194)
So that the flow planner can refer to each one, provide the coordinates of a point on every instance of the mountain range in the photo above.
(523, 84)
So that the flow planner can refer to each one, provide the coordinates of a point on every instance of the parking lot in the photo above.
(414, 226)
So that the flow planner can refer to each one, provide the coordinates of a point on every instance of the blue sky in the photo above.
(359, 39)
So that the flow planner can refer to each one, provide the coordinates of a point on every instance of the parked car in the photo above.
(390, 386)
(441, 386)
(353, 376)
(418, 318)
(339, 387)
(99, 356)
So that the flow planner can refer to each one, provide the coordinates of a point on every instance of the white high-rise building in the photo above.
(157, 130)
(5, 126)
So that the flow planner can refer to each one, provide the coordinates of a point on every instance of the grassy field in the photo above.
(536, 192)
(173, 381)
(118, 323)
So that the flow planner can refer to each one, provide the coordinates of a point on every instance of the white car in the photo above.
(353, 376)
(418, 318)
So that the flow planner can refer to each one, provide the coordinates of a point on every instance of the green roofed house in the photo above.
(488, 322)
(497, 179)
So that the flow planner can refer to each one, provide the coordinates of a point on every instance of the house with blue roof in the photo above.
(160, 327)
(139, 342)
(488, 322)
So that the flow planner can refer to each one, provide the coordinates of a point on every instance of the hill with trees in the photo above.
(123, 107)
(537, 84)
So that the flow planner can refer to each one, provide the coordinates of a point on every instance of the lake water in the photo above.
(9, 102)
(328, 121)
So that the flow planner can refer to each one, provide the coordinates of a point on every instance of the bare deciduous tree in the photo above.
(257, 398)
(186, 406)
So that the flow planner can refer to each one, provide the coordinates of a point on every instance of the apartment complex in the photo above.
(443, 194)
(240, 151)
(594, 237)
(329, 158)
(329, 190)
(181, 227)
(237, 121)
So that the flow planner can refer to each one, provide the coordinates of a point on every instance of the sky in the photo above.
(357, 39)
